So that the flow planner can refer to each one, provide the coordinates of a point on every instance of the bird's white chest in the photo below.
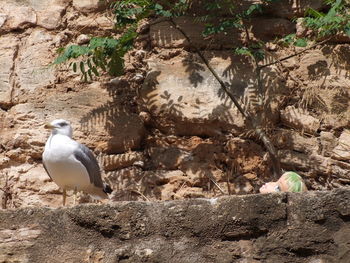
(58, 148)
(63, 167)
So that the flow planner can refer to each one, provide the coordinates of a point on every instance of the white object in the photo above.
(71, 165)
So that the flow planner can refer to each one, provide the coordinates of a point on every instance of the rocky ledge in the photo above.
(313, 227)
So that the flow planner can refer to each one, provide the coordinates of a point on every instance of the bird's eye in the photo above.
(62, 124)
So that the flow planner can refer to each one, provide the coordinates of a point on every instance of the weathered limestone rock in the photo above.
(325, 74)
(88, 23)
(21, 15)
(9, 48)
(286, 139)
(17, 242)
(328, 142)
(16, 16)
(311, 164)
(183, 90)
(291, 9)
(83, 39)
(314, 65)
(285, 8)
(296, 161)
(122, 130)
(161, 177)
(87, 6)
(49, 17)
(342, 150)
(271, 28)
(118, 161)
(245, 157)
(299, 119)
(181, 99)
(164, 35)
(33, 68)
(3, 18)
(115, 131)
(309, 227)
(168, 157)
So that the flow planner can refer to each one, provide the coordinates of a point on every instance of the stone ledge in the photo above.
(310, 227)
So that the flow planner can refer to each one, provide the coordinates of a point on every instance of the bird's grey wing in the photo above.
(86, 157)
(47, 170)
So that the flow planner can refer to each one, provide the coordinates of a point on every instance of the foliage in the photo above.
(336, 20)
(291, 39)
(107, 54)
(102, 53)
(254, 50)
(238, 21)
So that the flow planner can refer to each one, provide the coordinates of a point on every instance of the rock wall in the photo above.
(275, 228)
(166, 130)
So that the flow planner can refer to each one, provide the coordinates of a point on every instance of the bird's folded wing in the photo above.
(47, 170)
(86, 157)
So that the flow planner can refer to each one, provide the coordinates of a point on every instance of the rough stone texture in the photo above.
(7, 56)
(87, 6)
(165, 130)
(284, 8)
(342, 150)
(184, 89)
(88, 23)
(32, 67)
(299, 119)
(164, 35)
(49, 18)
(113, 162)
(272, 228)
(325, 76)
(17, 16)
(293, 8)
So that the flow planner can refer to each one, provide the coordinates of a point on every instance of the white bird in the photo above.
(71, 165)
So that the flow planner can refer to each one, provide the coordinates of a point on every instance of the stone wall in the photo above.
(275, 228)
(166, 130)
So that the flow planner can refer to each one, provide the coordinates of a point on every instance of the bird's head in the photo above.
(60, 126)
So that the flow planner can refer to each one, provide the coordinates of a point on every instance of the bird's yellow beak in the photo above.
(49, 126)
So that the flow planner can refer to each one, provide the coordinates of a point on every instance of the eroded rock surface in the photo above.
(271, 228)
(166, 130)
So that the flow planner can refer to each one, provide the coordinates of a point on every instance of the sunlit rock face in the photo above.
(166, 130)
(249, 228)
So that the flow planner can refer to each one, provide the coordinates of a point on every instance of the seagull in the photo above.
(70, 164)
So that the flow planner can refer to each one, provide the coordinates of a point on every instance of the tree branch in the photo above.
(253, 121)
(223, 85)
(295, 54)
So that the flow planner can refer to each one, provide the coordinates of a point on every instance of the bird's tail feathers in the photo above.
(107, 189)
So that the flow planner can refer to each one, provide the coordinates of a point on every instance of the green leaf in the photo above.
(253, 8)
(301, 42)
(74, 67)
(94, 70)
(90, 74)
(347, 31)
(82, 67)
(89, 63)
(314, 13)
(243, 51)
(158, 7)
(60, 50)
